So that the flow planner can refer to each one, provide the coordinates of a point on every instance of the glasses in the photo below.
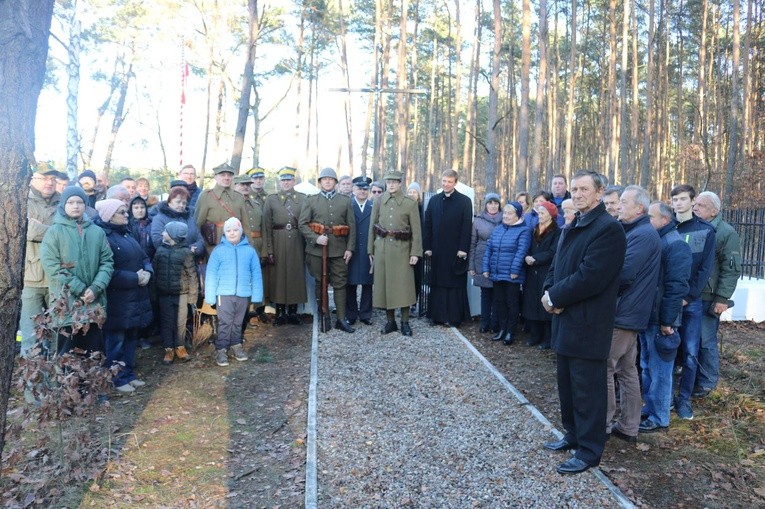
(377, 192)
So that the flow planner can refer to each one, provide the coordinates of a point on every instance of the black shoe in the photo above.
(280, 320)
(294, 319)
(263, 317)
(572, 466)
(498, 336)
(390, 327)
(350, 321)
(648, 426)
(698, 392)
(406, 330)
(344, 326)
(616, 432)
(508, 339)
(366, 321)
(559, 445)
(534, 342)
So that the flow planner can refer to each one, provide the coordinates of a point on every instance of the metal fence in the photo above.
(750, 225)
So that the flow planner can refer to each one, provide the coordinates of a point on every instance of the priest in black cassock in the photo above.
(446, 240)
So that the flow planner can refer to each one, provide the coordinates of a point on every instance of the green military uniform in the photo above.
(215, 206)
(284, 245)
(329, 209)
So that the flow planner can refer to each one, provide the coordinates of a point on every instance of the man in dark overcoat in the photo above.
(446, 240)
(581, 291)
(359, 268)
(326, 219)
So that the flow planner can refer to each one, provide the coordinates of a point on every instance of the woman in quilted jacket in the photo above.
(503, 263)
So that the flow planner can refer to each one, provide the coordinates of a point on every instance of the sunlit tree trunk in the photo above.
(645, 175)
(347, 79)
(612, 131)
(734, 106)
(468, 163)
(119, 113)
(624, 121)
(24, 30)
(571, 88)
(402, 100)
(540, 100)
(523, 121)
(247, 83)
(491, 135)
(73, 50)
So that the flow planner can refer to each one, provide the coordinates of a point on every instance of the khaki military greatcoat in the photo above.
(284, 242)
(393, 276)
(215, 206)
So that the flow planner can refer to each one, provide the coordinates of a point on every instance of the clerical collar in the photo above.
(449, 194)
(328, 194)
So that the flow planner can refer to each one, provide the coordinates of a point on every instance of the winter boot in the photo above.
(182, 354)
(169, 355)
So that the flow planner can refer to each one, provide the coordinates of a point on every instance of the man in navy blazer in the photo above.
(359, 267)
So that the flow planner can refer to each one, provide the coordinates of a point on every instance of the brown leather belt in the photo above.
(288, 226)
(338, 230)
(396, 234)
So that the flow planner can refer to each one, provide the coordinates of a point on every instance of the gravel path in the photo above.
(421, 422)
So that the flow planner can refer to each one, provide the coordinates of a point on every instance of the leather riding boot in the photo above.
(292, 316)
(281, 317)
(406, 330)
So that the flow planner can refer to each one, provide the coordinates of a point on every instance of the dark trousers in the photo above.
(92, 341)
(583, 405)
(507, 302)
(540, 330)
(231, 310)
(120, 347)
(354, 309)
(489, 318)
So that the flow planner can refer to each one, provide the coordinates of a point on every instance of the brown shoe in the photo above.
(180, 352)
(169, 355)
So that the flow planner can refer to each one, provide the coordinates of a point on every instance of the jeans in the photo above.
(690, 340)
(656, 378)
(120, 347)
(709, 357)
(33, 301)
(489, 319)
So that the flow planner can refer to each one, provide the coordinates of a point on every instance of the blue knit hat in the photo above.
(67, 193)
(518, 208)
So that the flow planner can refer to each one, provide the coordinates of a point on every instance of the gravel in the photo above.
(421, 422)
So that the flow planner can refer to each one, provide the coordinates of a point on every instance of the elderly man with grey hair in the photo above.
(638, 280)
(119, 192)
(726, 269)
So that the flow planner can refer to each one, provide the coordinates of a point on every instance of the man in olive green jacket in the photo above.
(327, 220)
(216, 205)
(726, 269)
(395, 228)
(41, 208)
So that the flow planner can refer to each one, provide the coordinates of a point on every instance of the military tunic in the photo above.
(254, 218)
(284, 242)
(211, 208)
(393, 276)
(333, 211)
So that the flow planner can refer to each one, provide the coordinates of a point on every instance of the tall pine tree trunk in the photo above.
(247, 81)
(72, 91)
(645, 174)
(491, 134)
(539, 108)
(734, 106)
(571, 88)
(24, 30)
(523, 121)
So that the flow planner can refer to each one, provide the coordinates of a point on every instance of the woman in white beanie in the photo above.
(233, 280)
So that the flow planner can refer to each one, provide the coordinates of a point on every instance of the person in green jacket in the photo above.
(76, 257)
(726, 269)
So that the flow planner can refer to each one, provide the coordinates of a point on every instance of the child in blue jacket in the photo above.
(233, 280)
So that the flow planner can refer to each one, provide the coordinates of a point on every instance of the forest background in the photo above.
(654, 92)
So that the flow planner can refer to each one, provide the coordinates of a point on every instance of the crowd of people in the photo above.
(622, 289)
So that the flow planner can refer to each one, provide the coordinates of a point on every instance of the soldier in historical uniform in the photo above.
(327, 220)
(254, 219)
(359, 268)
(216, 205)
(285, 248)
(257, 198)
(395, 227)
